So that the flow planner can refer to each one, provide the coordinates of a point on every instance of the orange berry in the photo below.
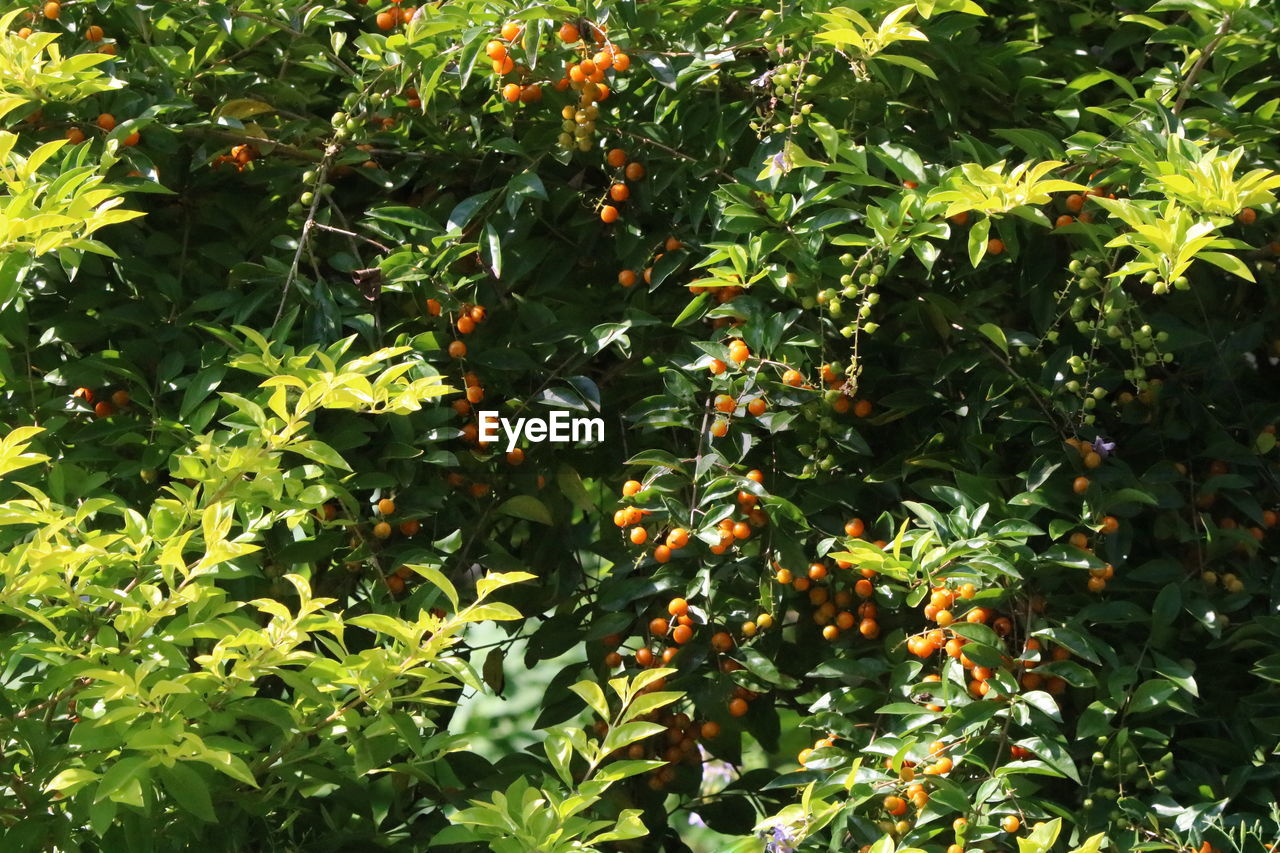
(510, 31)
(385, 20)
(854, 528)
(634, 171)
(869, 628)
(93, 33)
(1248, 216)
(52, 10)
(659, 626)
(616, 158)
(386, 506)
(410, 527)
(626, 278)
(862, 408)
(511, 92)
(720, 428)
(1064, 220)
(682, 634)
(1110, 524)
(758, 406)
(738, 707)
(104, 409)
(106, 121)
(619, 192)
(631, 487)
(457, 349)
(1010, 823)
(608, 214)
(569, 33)
(1080, 485)
(1075, 202)
(495, 50)
(677, 539)
(995, 246)
(75, 135)
(638, 536)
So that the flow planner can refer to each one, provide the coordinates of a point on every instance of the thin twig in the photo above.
(1185, 89)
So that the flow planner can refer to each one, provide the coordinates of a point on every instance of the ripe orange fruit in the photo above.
(830, 632)
(895, 805)
(1064, 220)
(682, 634)
(386, 506)
(639, 536)
(854, 528)
(755, 475)
(104, 409)
(662, 554)
(634, 171)
(738, 707)
(626, 278)
(961, 218)
(510, 31)
(386, 20)
(106, 122)
(725, 403)
(457, 349)
(75, 135)
(93, 33)
(382, 530)
(120, 398)
(1080, 485)
(869, 628)
(52, 10)
(677, 539)
(503, 66)
(608, 214)
(1248, 216)
(631, 487)
(720, 428)
(569, 33)
(1075, 202)
(710, 730)
(395, 583)
(862, 408)
(742, 531)
(793, 378)
(673, 245)
(1092, 459)
(621, 62)
(995, 246)
(968, 591)
(531, 94)
(495, 50)
(511, 92)
(1010, 823)
(678, 607)
(758, 406)
(515, 456)
(616, 158)
(619, 192)
(434, 307)
(1110, 524)
(721, 641)
(738, 352)
(410, 527)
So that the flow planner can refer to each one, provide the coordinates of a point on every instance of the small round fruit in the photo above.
(609, 214)
(386, 506)
(1010, 823)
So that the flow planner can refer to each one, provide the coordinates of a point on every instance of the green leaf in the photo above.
(527, 507)
(189, 790)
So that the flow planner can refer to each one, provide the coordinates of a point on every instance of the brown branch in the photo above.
(1185, 89)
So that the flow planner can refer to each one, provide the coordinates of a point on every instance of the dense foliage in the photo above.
(935, 346)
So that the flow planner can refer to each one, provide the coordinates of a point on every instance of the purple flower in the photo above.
(782, 842)
(695, 819)
(1102, 447)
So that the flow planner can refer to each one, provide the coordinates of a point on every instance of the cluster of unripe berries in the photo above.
(853, 286)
